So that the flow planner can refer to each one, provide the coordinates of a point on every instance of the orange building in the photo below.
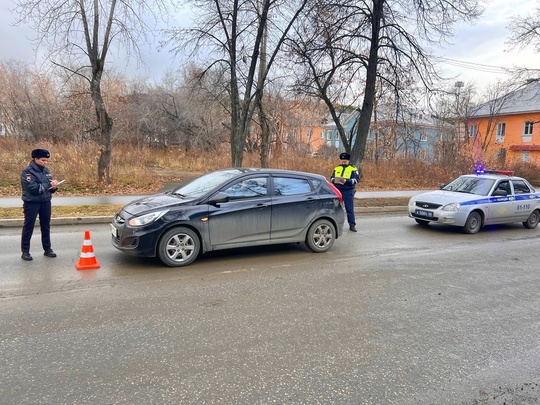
(507, 129)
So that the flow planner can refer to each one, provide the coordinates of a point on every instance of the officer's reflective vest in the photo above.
(347, 173)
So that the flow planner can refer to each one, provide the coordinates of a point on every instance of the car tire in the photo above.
(532, 221)
(473, 223)
(320, 236)
(178, 247)
(421, 222)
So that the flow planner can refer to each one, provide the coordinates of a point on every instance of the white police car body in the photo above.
(475, 200)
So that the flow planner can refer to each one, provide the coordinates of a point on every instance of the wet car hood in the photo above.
(157, 201)
(446, 197)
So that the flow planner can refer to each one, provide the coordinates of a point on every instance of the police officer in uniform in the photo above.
(345, 177)
(38, 186)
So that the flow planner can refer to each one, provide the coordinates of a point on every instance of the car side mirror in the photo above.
(218, 198)
(443, 186)
(500, 193)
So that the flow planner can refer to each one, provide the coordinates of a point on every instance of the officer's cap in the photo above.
(40, 153)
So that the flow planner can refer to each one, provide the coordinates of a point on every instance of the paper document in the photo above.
(57, 184)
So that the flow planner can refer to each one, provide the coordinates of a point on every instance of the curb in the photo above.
(390, 210)
(8, 223)
(12, 223)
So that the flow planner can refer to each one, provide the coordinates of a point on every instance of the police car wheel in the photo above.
(532, 221)
(473, 223)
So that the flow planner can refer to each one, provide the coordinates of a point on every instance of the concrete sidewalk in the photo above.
(97, 200)
(124, 199)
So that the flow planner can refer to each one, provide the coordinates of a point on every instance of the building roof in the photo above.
(525, 99)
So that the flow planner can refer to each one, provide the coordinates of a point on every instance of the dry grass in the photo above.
(140, 171)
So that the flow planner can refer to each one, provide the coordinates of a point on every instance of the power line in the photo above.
(476, 66)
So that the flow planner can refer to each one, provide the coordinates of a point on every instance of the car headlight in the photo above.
(412, 202)
(451, 207)
(147, 219)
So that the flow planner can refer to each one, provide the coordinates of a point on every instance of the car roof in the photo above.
(494, 176)
(269, 171)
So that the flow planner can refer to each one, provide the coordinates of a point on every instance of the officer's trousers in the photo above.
(348, 200)
(31, 211)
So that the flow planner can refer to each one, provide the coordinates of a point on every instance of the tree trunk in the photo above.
(105, 125)
(265, 136)
(364, 121)
(265, 128)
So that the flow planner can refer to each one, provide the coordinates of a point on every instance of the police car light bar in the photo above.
(487, 171)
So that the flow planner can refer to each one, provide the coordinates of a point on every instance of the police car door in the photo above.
(525, 200)
(502, 203)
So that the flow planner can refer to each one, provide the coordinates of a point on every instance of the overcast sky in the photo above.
(476, 52)
(481, 48)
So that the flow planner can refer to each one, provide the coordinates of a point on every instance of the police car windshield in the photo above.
(470, 185)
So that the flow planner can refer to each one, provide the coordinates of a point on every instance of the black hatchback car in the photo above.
(231, 208)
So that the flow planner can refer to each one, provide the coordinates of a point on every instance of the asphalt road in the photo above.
(395, 314)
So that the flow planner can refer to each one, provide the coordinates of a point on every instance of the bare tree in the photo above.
(230, 33)
(79, 34)
(351, 44)
(525, 30)
(30, 105)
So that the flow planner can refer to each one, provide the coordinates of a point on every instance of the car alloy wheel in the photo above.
(178, 247)
(321, 236)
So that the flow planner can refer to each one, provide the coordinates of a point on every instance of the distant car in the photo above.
(475, 200)
(228, 209)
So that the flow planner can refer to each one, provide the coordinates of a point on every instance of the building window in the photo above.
(501, 129)
(328, 134)
(525, 155)
(473, 130)
(527, 131)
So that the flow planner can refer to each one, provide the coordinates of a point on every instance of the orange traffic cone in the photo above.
(87, 258)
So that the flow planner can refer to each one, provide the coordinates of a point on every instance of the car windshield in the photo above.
(471, 185)
(208, 182)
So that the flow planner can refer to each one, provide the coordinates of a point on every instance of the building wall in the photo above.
(515, 146)
(313, 137)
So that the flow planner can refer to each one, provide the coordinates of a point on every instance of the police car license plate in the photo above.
(423, 213)
(114, 231)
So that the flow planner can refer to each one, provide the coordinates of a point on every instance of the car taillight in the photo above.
(336, 192)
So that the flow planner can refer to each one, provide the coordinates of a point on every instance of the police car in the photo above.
(484, 198)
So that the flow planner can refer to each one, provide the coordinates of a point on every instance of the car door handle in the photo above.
(261, 206)
(310, 200)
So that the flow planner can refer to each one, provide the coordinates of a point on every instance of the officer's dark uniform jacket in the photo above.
(35, 182)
